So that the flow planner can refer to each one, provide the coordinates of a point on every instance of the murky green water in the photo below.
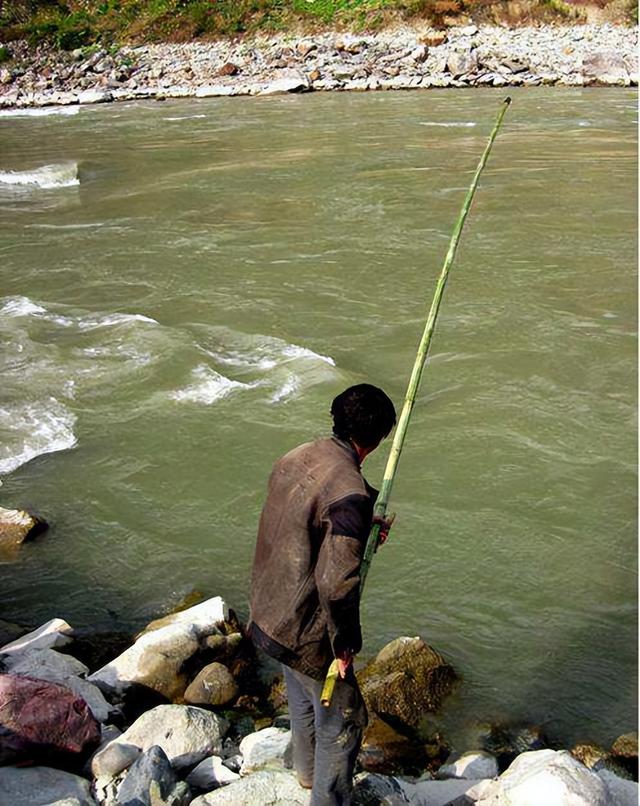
(185, 313)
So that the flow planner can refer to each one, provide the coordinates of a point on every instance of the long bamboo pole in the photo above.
(380, 509)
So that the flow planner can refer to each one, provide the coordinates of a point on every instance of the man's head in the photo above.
(364, 415)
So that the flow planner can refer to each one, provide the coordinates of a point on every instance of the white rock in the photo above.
(95, 97)
(620, 791)
(47, 664)
(264, 747)
(42, 786)
(474, 765)
(549, 777)
(54, 633)
(265, 788)
(157, 657)
(284, 85)
(214, 91)
(186, 734)
(210, 774)
(439, 793)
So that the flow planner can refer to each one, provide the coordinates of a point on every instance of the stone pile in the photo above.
(129, 734)
(405, 58)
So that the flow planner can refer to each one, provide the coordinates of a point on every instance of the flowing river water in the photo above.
(185, 286)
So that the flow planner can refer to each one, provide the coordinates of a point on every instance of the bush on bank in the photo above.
(70, 24)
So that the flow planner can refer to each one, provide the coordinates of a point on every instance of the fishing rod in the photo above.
(380, 509)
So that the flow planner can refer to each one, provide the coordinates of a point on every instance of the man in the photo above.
(305, 585)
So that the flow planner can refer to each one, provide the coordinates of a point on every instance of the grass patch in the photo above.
(69, 24)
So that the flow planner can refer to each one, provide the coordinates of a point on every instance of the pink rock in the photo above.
(39, 720)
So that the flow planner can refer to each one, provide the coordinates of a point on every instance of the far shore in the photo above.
(400, 59)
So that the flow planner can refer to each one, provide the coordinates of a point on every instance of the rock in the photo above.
(214, 91)
(472, 765)
(314, 75)
(285, 85)
(152, 782)
(626, 746)
(42, 786)
(447, 793)
(505, 742)
(228, 69)
(109, 761)
(265, 788)
(420, 53)
(40, 719)
(157, 658)
(6, 76)
(185, 733)
(210, 774)
(213, 685)
(371, 789)
(620, 792)
(386, 751)
(434, 40)
(589, 754)
(305, 47)
(95, 97)
(469, 30)
(263, 747)
(462, 62)
(606, 66)
(551, 777)
(47, 664)
(16, 525)
(406, 679)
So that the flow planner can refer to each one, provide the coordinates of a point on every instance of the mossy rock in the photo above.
(405, 681)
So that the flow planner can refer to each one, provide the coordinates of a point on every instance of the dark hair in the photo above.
(363, 413)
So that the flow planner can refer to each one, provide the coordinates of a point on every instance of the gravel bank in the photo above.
(406, 58)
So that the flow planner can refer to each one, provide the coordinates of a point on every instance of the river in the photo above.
(189, 285)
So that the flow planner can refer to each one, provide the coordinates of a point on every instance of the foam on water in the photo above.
(287, 390)
(40, 113)
(208, 387)
(23, 306)
(461, 125)
(48, 176)
(31, 429)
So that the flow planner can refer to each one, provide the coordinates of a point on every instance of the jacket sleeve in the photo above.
(337, 573)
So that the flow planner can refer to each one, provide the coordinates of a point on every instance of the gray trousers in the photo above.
(326, 741)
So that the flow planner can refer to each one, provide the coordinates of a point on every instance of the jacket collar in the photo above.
(348, 448)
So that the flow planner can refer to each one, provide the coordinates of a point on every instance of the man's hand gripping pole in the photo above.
(380, 510)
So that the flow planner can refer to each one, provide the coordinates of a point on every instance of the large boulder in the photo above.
(43, 720)
(53, 633)
(214, 685)
(406, 680)
(552, 777)
(453, 792)
(151, 781)
(620, 791)
(606, 67)
(16, 526)
(42, 786)
(156, 660)
(47, 664)
(461, 62)
(185, 733)
(267, 788)
(262, 748)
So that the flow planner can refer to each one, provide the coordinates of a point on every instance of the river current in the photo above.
(184, 286)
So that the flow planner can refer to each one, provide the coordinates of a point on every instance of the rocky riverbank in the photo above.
(405, 58)
(187, 714)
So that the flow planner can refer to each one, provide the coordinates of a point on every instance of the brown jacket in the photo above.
(311, 537)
